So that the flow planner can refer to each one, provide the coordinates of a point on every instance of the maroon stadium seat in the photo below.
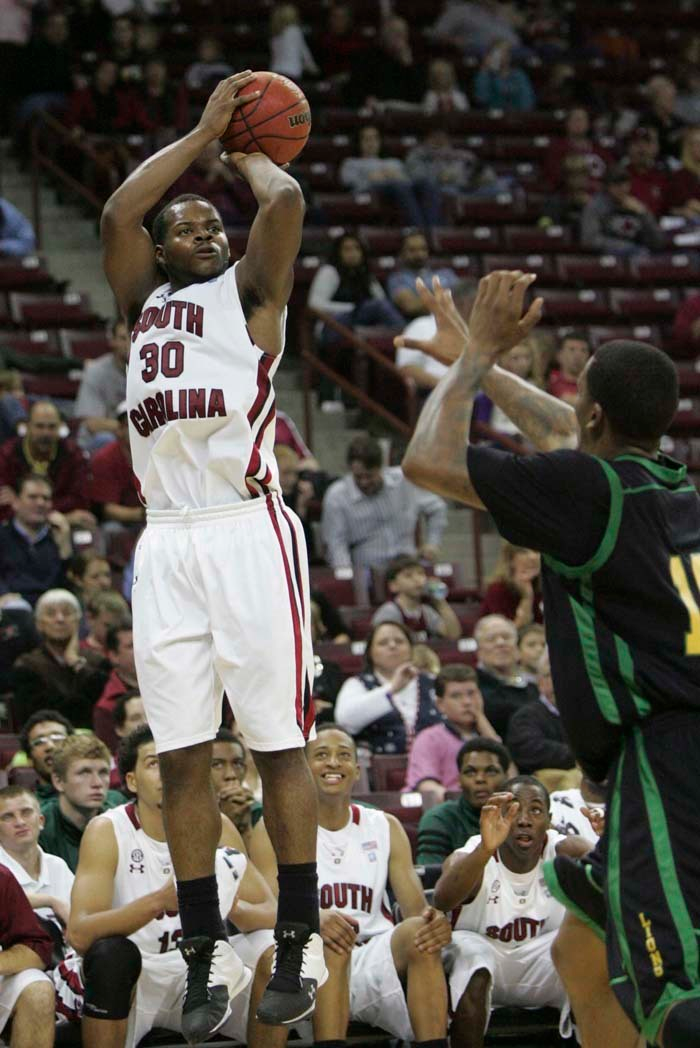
(388, 771)
(85, 345)
(52, 311)
(543, 265)
(531, 240)
(339, 589)
(644, 302)
(584, 269)
(677, 268)
(34, 344)
(584, 305)
(25, 274)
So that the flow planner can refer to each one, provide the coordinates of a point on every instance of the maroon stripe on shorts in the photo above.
(308, 702)
(296, 624)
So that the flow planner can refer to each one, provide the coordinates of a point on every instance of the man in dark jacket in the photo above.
(536, 737)
(35, 545)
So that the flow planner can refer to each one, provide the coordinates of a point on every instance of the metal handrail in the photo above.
(40, 160)
(313, 363)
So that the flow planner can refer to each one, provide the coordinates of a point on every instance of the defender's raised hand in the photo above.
(452, 333)
(497, 818)
(496, 322)
(223, 100)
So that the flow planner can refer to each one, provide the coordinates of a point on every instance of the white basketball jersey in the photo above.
(353, 870)
(144, 866)
(200, 399)
(512, 908)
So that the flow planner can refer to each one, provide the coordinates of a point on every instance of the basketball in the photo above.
(277, 123)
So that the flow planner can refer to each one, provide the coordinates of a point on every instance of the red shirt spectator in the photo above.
(18, 923)
(113, 479)
(103, 713)
(559, 385)
(103, 106)
(576, 141)
(120, 647)
(43, 451)
(649, 180)
(686, 327)
(503, 599)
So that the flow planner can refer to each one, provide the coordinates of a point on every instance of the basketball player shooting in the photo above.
(220, 596)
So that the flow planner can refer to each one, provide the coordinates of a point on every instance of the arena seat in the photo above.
(599, 269)
(25, 274)
(531, 240)
(71, 309)
(84, 345)
(542, 265)
(60, 386)
(358, 620)
(346, 656)
(644, 302)
(388, 771)
(676, 268)
(354, 208)
(32, 344)
(577, 305)
(449, 241)
(337, 584)
(642, 332)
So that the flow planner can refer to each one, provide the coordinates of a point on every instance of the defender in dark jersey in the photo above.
(618, 525)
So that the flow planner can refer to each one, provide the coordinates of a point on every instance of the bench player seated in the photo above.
(124, 920)
(387, 975)
(506, 916)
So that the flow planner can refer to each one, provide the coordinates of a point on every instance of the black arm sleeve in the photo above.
(556, 502)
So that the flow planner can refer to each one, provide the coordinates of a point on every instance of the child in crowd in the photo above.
(531, 644)
(417, 602)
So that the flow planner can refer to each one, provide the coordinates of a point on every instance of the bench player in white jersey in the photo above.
(220, 595)
(506, 918)
(387, 975)
(125, 922)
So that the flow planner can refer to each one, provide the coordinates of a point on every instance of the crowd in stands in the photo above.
(430, 697)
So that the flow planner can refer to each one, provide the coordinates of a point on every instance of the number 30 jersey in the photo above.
(200, 400)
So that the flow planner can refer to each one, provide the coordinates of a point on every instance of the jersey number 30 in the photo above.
(168, 360)
(682, 584)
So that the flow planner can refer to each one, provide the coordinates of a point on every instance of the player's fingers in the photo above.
(518, 289)
(241, 100)
(532, 317)
(401, 342)
(425, 295)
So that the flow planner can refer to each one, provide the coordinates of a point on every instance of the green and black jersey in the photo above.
(620, 541)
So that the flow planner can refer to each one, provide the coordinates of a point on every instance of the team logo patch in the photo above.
(494, 891)
(137, 864)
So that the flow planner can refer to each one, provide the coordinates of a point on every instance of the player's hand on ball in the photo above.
(497, 818)
(237, 162)
(223, 100)
(452, 334)
(434, 933)
(338, 931)
(496, 322)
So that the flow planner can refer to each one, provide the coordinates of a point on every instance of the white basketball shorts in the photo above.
(524, 977)
(376, 993)
(221, 601)
(11, 986)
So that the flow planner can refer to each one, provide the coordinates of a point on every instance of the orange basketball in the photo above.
(277, 123)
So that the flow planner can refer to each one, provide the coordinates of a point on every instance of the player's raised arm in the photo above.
(129, 256)
(436, 456)
(266, 271)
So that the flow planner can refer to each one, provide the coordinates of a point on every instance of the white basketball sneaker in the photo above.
(299, 970)
(215, 975)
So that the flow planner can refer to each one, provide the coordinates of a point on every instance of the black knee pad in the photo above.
(682, 1026)
(111, 968)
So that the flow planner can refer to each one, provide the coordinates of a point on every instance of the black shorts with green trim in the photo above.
(652, 868)
(578, 885)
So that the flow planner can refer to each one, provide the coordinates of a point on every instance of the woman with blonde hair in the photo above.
(289, 52)
(683, 197)
(444, 94)
(514, 587)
